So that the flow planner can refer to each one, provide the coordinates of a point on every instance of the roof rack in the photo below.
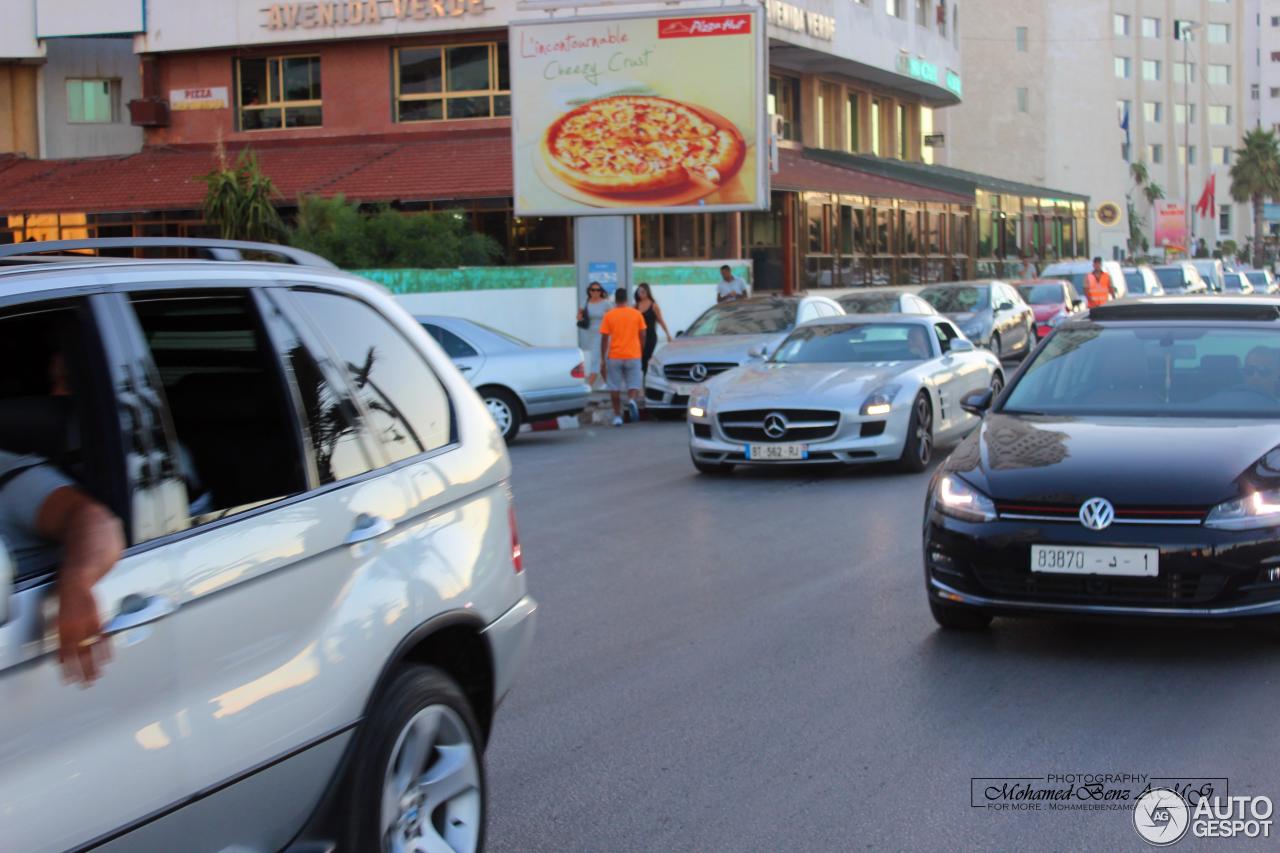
(215, 250)
(1207, 308)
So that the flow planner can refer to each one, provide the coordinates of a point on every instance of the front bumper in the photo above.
(660, 393)
(1204, 573)
(847, 446)
(553, 402)
(510, 636)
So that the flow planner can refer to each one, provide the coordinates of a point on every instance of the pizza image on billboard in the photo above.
(636, 144)
(648, 112)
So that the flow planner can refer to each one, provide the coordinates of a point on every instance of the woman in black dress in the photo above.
(652, 319)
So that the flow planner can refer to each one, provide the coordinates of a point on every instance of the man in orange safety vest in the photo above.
(1098, 288)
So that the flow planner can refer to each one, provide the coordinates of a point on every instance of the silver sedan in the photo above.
(853, 389)
(516, 380)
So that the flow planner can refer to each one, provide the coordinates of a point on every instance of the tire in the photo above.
(997, 384)
(715, 469)
(954, 618)
(917, 450)
(996, 346)
(422, 702)
(505, 409)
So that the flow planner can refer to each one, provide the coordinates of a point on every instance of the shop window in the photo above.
(680, 236)
(452, 82)
(828, 115)
(853, 123)
(542, 239)
(278, 92)
(877, 116)
(901, 137)
(784, 101)
(93, 101)
(909, 228)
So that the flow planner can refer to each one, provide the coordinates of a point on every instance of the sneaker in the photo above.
(634, 410)
(617, 420)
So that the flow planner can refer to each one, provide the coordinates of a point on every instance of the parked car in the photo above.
(843, 390)
(1130, 470)
(1051, 300)
(322, 601)
(517, 381)
(1236, 282)
(1181, 278)
(1212, 271)
(722, 338)
(990, 313)
(1142, 281)
(1075, 272)
(887, 301)
(1263, 281)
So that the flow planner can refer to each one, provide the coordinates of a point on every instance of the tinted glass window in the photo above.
(454, 346)
(1134, 282)
(1171, 278)
(745, 318)
(957, 300)
(870, 303)
(407, 407)
(237, 439)
(840, 343)
(1042, 294)
(1257, 279)
(1233, 282)
(1172, 370)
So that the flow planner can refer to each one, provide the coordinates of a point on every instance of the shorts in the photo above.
(624, 374)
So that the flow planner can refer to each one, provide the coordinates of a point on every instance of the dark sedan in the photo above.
(1131, 468)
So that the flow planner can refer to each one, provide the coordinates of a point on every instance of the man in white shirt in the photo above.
(730, 287)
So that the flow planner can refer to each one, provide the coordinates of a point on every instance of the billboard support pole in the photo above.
(603, 249)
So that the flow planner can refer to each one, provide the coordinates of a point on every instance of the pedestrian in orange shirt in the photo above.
(621, 346)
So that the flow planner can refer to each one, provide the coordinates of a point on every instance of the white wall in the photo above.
(109, 58)
(546, 316)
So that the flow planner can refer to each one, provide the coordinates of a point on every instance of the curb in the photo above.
(566, 422)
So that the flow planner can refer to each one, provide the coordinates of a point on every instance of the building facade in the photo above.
(1049, 86)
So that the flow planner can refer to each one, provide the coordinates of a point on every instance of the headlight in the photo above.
(699, 399)
(1259, 509)
(655, 364)
(880, 401)
(1057, 318)
(958, 499)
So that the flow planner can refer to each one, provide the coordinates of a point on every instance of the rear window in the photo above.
(745, 318)
(1171, 278)
(1041, 294)
(957, 300)
(870, 303)
(1134, 282)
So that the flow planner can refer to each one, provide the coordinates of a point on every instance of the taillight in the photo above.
(517, 557)
(578, 372)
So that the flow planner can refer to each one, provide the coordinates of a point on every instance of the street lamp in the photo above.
(1183, 30)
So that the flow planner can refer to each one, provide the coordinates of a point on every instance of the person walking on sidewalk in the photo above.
(646, 305)
(621, 345)
(592, 312)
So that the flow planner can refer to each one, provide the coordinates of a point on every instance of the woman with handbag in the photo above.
(589, 317)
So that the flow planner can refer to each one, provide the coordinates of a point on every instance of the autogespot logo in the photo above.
(1161, 817)
(1097, 514)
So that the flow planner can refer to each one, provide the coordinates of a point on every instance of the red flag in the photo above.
(1208, 203)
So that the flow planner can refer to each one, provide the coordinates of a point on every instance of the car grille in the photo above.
(802, 425)
(1124, 514)
(1170, 589)
(684, 372)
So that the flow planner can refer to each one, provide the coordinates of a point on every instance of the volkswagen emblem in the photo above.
(775, 425)
(1097, 514)
(698, 372)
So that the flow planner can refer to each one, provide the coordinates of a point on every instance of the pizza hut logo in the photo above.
(718, 25)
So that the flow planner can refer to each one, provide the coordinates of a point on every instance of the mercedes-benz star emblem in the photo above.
(1097, 514)
(698, 372)
(775, 425)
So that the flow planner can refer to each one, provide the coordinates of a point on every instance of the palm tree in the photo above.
(1255, 177)
(1138, 170)
(240, 199)
(1153, 193)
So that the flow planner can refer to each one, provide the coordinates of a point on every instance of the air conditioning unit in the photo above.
(149, 112)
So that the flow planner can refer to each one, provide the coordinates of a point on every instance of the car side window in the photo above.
(237, 443)
(454, 346)
(406, 407)
(946, 333)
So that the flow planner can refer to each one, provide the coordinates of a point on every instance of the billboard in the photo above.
(642, 113)
(1171, 225)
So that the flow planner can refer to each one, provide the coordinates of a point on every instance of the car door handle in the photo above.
(138, 610)
(464, 368)
(367, 527)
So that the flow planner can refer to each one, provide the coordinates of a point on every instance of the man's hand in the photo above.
(82, 650)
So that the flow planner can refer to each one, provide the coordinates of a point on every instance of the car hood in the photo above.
(714, 348)
(801, 385)
(1130, 461)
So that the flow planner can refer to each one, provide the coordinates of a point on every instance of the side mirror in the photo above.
(961, 345)
(759, 351)
(680, 334)
(977, 402)
(1005, 306)
(6, 582)
(1077, 305)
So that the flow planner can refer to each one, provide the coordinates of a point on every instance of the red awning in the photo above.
(451, 166)
(797, 172)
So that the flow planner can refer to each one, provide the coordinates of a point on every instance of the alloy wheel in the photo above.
(924, 430)
(501, 413)
(431, 800)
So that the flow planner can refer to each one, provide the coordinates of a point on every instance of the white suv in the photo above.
(322, 600)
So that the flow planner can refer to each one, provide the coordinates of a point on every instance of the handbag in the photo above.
(584, 322)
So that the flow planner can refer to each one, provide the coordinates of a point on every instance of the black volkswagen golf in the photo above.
(1132, 467)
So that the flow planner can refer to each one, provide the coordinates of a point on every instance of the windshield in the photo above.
(1171, 278)
(1134, 282)
(855, 342)
(957, 300)
(745, 318)
(1233, 281)
(1148, 370)
(870, 303)
(1258, 278)
(1042, 294)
